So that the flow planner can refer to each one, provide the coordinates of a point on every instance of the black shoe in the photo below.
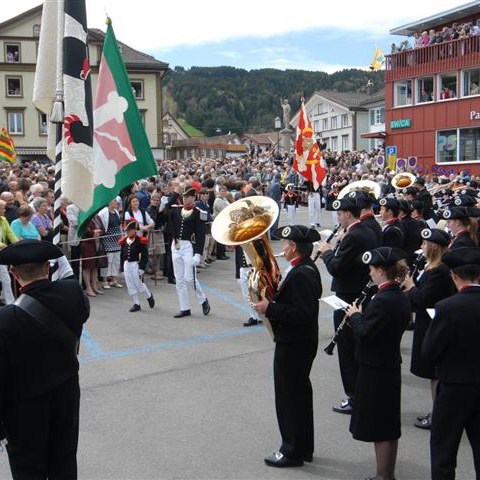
(425, 422)
(308, 458)
(206, 307)
(345, 407)
(151, 301)
(182, 313)
(224, 257)
(172, 281)
(251, 322)
(280, 461)
(135, 308)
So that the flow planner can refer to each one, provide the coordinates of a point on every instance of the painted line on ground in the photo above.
(93, 347)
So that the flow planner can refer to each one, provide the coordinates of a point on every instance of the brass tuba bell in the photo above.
(246, 223)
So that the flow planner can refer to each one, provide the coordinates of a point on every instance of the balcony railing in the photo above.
(455, 54)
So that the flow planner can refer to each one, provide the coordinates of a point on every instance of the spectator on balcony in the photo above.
(463, 34)
(475, 31)
(474, 89)
(446, 93)
(424, 39)
(405, 45)
(425, 96)
(446, 34)
(417, 39)
(431, 36)
(394, 49)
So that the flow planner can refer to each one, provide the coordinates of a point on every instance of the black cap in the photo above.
(131, 224)
(455, 213)
(419, 181)
(363, 199)
(410, 191)
(472, 184)
(435, 235)
(345, 204)
(464, 201)
(383, 256)
(389, 203)
(298, 233)
(404, 206)
(417, 205)
(190, 192)
(462, 256)
(29, 251)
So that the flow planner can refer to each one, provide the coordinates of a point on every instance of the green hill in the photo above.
(218, 100)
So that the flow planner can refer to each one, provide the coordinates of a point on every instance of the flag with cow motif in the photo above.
(308, 159)
(63, 73)
(122, 153)
(7, 147)
(378, 60)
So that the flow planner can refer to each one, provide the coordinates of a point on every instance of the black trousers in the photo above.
(346, 350)
(293, 397)
(75, 254)
(42, 434)
(456, 408)
(167, 259)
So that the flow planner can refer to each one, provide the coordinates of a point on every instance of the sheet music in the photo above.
(335, 302)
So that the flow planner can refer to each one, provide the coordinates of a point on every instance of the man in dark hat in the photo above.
(350, 275)
(393, 235)
(365, 201)
(188, 226)
(451, 342)
(39, 388)
(293, 313)
(424, 196)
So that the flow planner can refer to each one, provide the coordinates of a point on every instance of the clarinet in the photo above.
(328, 240)
(359, 301)
(417, 265)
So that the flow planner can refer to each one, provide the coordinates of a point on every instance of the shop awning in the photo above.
(374, 135)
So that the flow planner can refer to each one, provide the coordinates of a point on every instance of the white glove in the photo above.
(140, 272)
(3, 445)
(196, 260)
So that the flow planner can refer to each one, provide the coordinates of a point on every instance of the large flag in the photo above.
(378, 60)
(122, 153)
(7, 147)
(63, 74)
(308, 159)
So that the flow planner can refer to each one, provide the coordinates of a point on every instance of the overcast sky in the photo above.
(250, 34)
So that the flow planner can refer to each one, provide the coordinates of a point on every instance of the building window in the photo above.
(377, 116)
(402, 93)
(469, 145)
(344, 120)
(137, 88)
(324, 124)
(471, 82)
(334, 143)
(446, 146)
(14, 86)
(316, 125)
(43, 124)
(12, 52)
(345, 145)
(319, 108)
(334, 122)
(447, 86)
(425, 90)
(15, 122)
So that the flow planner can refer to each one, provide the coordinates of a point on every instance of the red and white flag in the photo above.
(308, 160)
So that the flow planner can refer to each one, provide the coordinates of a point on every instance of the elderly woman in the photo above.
(6, 237)
(41, 220)
(22, 227)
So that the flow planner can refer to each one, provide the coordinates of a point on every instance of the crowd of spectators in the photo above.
(27, 201)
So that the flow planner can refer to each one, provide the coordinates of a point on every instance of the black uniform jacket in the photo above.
(393, 235)
(345, 265)
(32, 361)
(462, 240)
(412, 232)
(451, 341)
(191, 227)
(370, 221)
(380, 328)
(137, 251)
(434, 285)
(293, 311)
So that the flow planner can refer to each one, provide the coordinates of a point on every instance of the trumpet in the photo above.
(278, 255)
(359, 301)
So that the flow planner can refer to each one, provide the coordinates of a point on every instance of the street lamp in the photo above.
(278, 126)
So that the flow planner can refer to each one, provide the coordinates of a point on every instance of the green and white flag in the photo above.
(121, 150)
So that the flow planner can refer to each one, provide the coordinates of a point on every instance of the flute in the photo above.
(328, 240)
(359, 301)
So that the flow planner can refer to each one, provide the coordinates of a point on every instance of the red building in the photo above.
(433, 94)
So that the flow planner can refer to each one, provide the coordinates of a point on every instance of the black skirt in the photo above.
(420, 366)
(376, 406)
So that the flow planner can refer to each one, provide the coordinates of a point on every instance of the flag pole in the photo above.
(57, 117)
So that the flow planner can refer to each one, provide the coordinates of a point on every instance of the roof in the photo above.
(132, 58)
(442, 18)
(188, 129)
(376, 97)
(351, 100)
(27, 14)
(268, 138)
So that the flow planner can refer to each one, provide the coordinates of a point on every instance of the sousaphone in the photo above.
(403, 180)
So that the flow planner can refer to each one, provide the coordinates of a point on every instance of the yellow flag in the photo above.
(378, 60)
